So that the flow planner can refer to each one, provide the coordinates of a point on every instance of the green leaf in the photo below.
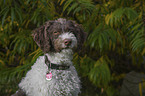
(76, 10)
(100, 73)
(19, 12)
(72, 7)
(4, 16)
(130, 13)
(3, 10)
(100, 42)
(12, 14)
(67, 4)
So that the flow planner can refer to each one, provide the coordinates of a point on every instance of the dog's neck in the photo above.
(65, 56)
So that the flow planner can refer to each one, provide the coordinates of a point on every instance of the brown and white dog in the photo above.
(54, 74)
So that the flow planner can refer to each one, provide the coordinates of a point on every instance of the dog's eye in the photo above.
(56, 34)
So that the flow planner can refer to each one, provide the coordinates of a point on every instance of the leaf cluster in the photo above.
(115, 43)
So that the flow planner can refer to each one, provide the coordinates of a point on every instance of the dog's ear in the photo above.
(41, 36)
(80, 34)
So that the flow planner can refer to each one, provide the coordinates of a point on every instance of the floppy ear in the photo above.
(80, 34)
(41, 36)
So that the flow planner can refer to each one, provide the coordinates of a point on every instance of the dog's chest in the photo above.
(63, 82)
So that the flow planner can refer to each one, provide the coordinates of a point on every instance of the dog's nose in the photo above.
(67, 42)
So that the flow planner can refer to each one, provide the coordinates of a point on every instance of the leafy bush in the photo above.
(115, 43)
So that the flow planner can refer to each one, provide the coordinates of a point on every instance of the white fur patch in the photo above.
(61, 21)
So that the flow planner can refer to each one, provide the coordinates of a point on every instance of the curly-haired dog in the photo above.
(54, 74)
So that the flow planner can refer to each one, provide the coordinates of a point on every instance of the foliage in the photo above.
(115, 43)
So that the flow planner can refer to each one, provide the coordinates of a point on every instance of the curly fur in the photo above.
(51, 39)
(63, 83)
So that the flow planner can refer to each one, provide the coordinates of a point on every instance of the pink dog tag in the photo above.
(49, 76)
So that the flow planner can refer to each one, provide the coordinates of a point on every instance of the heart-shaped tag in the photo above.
(49, 76)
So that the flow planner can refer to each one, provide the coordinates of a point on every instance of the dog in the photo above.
(54, 74)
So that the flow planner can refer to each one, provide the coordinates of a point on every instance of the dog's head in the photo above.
(58, 35)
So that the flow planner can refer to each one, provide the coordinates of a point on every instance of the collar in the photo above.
(55, 66)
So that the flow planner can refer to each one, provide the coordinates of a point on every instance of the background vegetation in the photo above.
(114, 47)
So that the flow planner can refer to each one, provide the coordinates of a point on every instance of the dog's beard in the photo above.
(68, 51)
